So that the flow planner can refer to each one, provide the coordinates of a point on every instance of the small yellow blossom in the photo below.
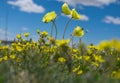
(26, 34)
(98, 58)
(13, 56)
(61, 59)
(75, 14)
(65, 9)
(76, 69)
(18, 36)
(18, 60)
(5, 58)
(44, 33)
(95, 64)
(38, 31)
(62, 42)
(49, 17)
(78, 32)
(80, 72)
(86, 57)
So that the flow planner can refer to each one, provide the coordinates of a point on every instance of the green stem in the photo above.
(52, 29)
(66, 27)
(55, 28)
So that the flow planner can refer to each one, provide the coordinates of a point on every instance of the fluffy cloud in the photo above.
(27, 6)
(96, 3)
(84, 17)
(110, 19)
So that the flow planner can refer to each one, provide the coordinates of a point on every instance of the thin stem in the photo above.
(66, 27)
(52, 29)
(55, 28)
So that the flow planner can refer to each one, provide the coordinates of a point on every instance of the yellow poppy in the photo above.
(78, 32)
(49, 17)
(75, 14)
(65, 9)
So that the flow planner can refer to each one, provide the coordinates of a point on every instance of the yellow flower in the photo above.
(78, 32)
(79, 72)
(61, 59)
(62, 42)
(49, 17)
(13, 56)
(5, 58)
(65, 9)
(18, 60)
(95, 64)
(76, 69)
(44, 33)
(98, 58)
(75, 14)
(38, 31)
(26, 34)
(86, 57)
(18, 36)
(19, 49)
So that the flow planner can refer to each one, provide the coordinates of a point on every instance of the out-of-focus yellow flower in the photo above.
(13, 56)
(18, 36)
(38, 31)
(98, 58)
(78, 32)
(62, 42)
(26, 34)
(61, 59)
(65, 9)
(75, 14)
(49, 17)
(86, 57)
(18, 60)
(76, 69)
(5, 58)
(95, 64)
(5, 47)
(116, 74)
(80, 72)
(44, 33)
(19, 49)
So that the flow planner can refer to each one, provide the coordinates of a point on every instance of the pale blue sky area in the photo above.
(100, 17)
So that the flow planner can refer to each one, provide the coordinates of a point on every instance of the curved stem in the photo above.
(66, 27)
(55, 28)
(52, 29)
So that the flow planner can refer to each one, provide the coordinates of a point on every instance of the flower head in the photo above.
(44, 33)
(49, 17)
(62, 42)
(65, 9)
(75, 14)
(26, 34)
(18, 36)
(78, 32)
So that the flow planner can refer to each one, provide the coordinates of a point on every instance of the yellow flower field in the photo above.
(49, 60)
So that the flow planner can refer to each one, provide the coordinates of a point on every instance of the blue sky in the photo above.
(100, 17)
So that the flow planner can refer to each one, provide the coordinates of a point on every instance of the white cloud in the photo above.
(84, 17)
(110, 19)
(96, 3)
(24, 28)
(27, 6)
